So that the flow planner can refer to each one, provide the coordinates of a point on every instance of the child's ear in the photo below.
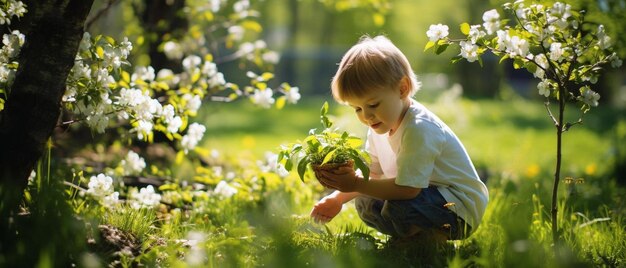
(405, 87)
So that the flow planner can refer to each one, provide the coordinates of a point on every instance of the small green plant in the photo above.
(328, 149)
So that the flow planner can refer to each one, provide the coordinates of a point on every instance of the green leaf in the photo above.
(360, 164)
(325, 121)
(267, 76)
(252, 25)
(179, 157)
(517, 63)
(440, 49)
(465, 28)
(456, 59)
(329, 156)
(195, 77)
(506, 56)
(324, 109)
(288, 164)
(280, 102)
(302, 167)
(429, 45)
(530, 66)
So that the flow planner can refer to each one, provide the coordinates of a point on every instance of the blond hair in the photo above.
(372, 64)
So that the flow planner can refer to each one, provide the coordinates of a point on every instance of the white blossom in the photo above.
(95, 114)
(125, 47)
(133, 163)
(145, 198)
(556, 51)
(217, 80)
(589, 96)
(148, 108)
(544, 88)
(130, 97)
(469, 51)
(102, 77)
(561, 10)
(194, 135)
(209, 68)
(517, 47)
(16, 8)
(522, 12)
(260, 44)
(12, 42)
(263, 98)
(32, 176)
(542, 61)
(173, 50)
(174, 124)
(196, 255)
(100, 186)
(503, 39)
(241, 6)
(191, 62)
(85, 43)
(170, 118)
(616, 62)
(436, 32)
(143, 127)
(604, 41)
(271, 165)
(271, 57)
(112, 57)
(224, 190)
(143, 73)
(192, 101)
(475, 33)
(7, 75)
(81, 71)
(236, 32)
(491, 20)
(292, 95)
(111, 200)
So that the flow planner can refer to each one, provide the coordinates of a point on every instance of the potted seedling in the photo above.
(326, 150)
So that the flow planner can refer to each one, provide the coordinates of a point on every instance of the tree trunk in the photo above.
(161, 18)
(53, 30)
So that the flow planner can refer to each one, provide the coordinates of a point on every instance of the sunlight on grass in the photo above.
(506, 137)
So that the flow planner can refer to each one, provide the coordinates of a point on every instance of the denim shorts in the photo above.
(426, 211)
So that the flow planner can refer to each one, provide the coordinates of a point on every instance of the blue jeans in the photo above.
(426, 211)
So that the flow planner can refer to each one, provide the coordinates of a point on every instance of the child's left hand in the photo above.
(343, 179)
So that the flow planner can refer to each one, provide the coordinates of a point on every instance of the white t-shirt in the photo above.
(424, 151)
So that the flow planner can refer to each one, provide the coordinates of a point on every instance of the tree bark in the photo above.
(53, 30)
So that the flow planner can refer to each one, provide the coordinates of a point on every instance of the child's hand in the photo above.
(326, 209)
(343, 179)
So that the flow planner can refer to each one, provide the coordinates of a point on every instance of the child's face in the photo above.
(381, 109)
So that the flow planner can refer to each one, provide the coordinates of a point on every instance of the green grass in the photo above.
(513, 144)
(513, 137)
(266, 222)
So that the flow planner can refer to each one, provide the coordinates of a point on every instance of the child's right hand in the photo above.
(326, 209)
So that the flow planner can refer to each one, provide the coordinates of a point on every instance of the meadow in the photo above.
(512, 143)
(261, 217)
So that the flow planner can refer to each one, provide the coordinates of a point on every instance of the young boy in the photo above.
(423, 185)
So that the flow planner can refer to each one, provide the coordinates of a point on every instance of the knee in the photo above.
(366, 207)
(394, 210)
